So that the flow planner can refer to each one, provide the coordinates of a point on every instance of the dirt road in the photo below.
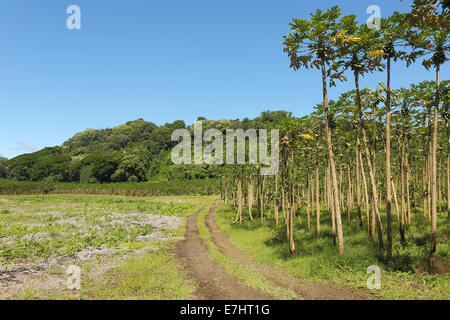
(216, 283)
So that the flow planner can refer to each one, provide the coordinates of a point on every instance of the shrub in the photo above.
(130, 169)
(104, 164)
(86, 175)
(49, 185)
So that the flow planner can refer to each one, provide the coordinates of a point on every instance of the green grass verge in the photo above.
(317, 260)
(248, 274)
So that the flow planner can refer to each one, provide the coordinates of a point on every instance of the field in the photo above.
(125, 242)
(186, 247)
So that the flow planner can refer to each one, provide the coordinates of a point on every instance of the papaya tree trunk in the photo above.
(318, 191)
(334, 188)
(433, 168)
(388, 161)
(370, 169)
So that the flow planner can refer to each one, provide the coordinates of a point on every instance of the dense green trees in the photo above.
(4, 172)
(27, 167)
(103, 164)
(135, 151)
(131, 168)
(57, 166)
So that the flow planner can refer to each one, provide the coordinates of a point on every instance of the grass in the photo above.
(154, 276)
(45, 228)
(248, 274)
(317, 260)
(42, 226)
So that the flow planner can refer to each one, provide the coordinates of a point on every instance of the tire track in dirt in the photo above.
(305, 289)
(214, 282)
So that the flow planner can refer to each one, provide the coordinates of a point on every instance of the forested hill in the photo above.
(135, 151)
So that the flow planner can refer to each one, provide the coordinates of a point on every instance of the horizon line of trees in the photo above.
(136, 151)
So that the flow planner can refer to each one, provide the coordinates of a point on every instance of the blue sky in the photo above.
(157, 60)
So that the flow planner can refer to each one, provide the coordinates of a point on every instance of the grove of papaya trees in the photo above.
(378, 158)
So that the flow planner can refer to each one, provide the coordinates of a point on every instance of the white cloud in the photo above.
(24, 146)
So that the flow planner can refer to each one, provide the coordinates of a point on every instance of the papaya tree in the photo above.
(310, 45)
(356, 47)
(434, 40)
